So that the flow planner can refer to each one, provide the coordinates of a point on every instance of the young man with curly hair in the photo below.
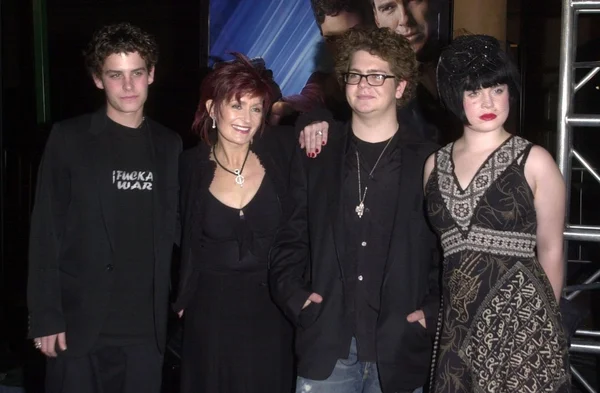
(408, 18)
(356, 265)
(102, 230)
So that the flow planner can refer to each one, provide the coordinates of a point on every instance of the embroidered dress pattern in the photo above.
(501, 328)
(462, 203)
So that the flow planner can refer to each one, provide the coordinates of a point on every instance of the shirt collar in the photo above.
(351, 141)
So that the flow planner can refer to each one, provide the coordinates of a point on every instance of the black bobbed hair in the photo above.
(473, 62)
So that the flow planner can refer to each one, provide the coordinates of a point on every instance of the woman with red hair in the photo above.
(232, 188)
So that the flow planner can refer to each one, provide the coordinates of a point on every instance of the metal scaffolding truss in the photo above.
(585, 341)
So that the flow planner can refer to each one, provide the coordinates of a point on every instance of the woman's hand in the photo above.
(47, 344)
(313, 137)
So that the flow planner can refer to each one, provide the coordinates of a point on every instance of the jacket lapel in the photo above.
(159, 166)
(404, 207)
(335, 184)
(265, 152)
(101, 152)
(196, 189)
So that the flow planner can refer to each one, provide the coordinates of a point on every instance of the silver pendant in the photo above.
(239, 179)
(360, 209)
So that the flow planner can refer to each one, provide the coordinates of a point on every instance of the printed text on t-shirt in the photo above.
(134, 180)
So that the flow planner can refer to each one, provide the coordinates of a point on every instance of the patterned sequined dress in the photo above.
(501, 325)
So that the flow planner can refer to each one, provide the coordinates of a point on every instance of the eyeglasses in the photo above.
(352, 78)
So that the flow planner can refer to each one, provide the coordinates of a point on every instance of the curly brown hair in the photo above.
(383, 43)
(119, 38)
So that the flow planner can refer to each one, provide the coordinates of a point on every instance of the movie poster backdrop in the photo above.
(284, 35)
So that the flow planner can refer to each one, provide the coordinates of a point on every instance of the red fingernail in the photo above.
(313, 155)
(317, 151)
(323, 143)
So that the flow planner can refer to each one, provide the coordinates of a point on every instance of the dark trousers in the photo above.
(107, 368)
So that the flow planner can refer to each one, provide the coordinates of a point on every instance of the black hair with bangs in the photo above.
(473, 62)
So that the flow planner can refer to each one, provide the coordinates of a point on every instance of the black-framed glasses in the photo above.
(352, 78)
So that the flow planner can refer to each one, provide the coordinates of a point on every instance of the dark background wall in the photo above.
(179, 27)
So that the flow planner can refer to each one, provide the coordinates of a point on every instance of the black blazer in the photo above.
(306, 258)
(72, 229)
(275, 148)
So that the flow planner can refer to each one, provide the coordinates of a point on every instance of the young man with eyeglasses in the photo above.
(355, 265)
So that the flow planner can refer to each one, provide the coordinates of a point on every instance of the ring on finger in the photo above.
(320, 133)
(37, 344)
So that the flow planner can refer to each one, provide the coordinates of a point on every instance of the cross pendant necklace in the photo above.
(360, 208)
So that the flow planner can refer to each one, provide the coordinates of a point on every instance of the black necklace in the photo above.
(239, 178)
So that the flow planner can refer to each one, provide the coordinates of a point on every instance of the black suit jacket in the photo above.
(306, 258)
(72, 231)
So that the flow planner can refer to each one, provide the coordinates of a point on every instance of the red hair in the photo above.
(228, 81)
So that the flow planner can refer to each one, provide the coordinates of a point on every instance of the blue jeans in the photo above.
(348, 376)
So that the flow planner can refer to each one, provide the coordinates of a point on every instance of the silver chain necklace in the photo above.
(360, 208)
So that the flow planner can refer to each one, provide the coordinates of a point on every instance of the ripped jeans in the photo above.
(348, 376)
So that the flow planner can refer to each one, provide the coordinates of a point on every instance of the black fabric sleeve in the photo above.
(187, 273)
(178, 214)
(319, 114)
(289, 256)
(47, 227)
(431, 304)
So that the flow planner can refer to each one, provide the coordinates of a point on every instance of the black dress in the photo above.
(502, 329)
(235, 338)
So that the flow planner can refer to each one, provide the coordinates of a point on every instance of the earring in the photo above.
(214, 123)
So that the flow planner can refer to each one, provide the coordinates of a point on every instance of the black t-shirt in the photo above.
(131, 307)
